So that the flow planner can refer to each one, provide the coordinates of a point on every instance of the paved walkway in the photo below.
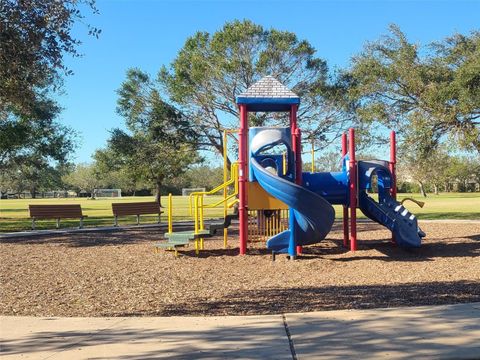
(436, 332)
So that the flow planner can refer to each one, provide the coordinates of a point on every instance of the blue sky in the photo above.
(148, 34)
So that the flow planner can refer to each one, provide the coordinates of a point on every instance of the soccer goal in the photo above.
(188, 191)
(113, 193)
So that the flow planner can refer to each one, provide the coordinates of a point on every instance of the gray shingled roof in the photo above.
(268, 87)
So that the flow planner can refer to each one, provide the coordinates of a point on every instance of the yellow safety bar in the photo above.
(170, 214)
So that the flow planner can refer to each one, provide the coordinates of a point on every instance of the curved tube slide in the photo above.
(313, 215)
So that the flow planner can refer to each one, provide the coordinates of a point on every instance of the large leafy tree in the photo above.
(429, 94)
(160, 143)
(36, 139)
(212, 69)
(35, 36)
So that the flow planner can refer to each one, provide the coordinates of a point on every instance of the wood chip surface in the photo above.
(119, 274)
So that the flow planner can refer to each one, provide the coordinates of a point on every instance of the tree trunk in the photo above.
(422, 189)
(435, 187)
(33, 192)
(158, 196)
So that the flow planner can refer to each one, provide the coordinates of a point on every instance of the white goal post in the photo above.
(115, 193)
(188, 191)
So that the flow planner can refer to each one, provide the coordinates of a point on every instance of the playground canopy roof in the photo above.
(268, 94)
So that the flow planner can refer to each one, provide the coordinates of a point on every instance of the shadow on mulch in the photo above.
(307, 299)
(104, 238)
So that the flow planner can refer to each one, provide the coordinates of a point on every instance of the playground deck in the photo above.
(119, 274)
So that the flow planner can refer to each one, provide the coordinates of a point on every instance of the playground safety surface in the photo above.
(119, 274)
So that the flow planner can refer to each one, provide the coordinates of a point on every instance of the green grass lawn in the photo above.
(14, 213)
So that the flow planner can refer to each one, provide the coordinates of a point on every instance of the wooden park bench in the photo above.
(69, 211)
(135, 208)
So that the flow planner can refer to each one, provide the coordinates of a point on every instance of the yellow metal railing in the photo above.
(196, 199)
(199, 205)
(170, 214)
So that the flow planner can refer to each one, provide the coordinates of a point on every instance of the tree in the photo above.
(425, 170)
(427, 93)
(32, 177)
(160, 143)
(35, 35)
(204, 176)
(36, 139)
(461, 170)
(84, 177)
(212, 69)
(114, 173)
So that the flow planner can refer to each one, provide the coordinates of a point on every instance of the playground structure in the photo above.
(285, 206)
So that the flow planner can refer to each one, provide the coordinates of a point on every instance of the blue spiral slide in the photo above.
(313, 216)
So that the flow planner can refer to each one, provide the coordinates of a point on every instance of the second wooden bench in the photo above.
(135, 208)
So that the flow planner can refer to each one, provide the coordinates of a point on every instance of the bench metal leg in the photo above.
(58, 223)
(115, 220)
(138, 219)
(33, 224)
(81, 223)
(158, 218)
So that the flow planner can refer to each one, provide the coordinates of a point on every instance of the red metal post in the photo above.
(242, 178)
(297, 150)
(392, 166)
(353, 191)
(345, 207)
(296, 144)
(393, 161)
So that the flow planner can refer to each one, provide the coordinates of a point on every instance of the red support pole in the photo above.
(297, 150)
(296, 144)
(345, 208)
(392, 167)
(393, 161)
(353, 191)
(242, 179)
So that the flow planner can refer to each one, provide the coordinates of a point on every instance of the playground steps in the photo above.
(214, 227)
(186, 235)
(182, 238)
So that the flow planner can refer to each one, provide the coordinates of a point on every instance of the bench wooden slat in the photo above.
(136, 208)
(56, 211)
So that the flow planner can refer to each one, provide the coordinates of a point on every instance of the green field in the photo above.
(14, 213)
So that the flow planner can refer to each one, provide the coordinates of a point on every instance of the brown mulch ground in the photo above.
(118, 274)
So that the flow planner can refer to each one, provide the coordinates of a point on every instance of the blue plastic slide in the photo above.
(393, 216)
(314, 216)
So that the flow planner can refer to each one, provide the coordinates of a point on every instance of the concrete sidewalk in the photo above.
(427, 332)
